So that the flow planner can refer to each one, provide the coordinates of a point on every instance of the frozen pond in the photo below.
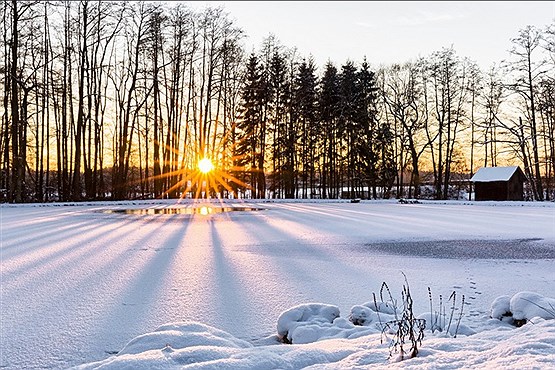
(79, 281)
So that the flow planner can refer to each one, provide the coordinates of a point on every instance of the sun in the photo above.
(216, 173)
(205, 165)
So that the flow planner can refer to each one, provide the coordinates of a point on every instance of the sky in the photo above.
(388, 32)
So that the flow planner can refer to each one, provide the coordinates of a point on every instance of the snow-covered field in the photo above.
(78, 283)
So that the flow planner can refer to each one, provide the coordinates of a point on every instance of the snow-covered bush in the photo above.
(302, 321)
(501, 309)
(523, 307)
(363, 315)
(386, 307)
(527, 305)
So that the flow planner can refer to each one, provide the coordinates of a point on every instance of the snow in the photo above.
(528, 305)
(294, 325)
(489, 174)
(501, 308)
(81, 287)
(531, 346)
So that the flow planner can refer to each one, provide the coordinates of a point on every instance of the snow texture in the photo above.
(528, 305)
(299, 324)
(205, 291)
(501, 308)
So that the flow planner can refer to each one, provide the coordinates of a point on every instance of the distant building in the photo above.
(499, 183)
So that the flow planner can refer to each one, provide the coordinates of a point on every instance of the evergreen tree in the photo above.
(248, 127)
(348, 127)
(306, 101)
(329, 116)
(279, 100)
(367, 146)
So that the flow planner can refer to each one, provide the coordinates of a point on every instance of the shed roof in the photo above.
(490, 174)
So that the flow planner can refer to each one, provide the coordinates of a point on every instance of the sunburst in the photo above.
(205, 165)
(212, 174)
(205, 173)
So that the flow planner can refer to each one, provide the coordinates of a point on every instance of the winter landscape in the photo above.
(277, 185)
(112, 285)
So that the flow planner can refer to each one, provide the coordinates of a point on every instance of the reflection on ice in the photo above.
(204, 210)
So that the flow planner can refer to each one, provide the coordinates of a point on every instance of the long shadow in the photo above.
(45, 247)
(88, 288)
(229, 289)
(139, 299)
(16, 247)
(271, 268)
(46, 271)
(260, 282)
(302, 259)
(79, 248)
(20, 236)
(367, 219)
(24, 234)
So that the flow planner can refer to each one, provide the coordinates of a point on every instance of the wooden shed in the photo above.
(499, 183)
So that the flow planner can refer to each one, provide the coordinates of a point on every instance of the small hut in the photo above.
(499, 183)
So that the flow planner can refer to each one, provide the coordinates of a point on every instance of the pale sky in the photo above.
(388, 32)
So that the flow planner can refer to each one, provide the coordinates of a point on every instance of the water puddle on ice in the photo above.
(518, 249)
(205, 210)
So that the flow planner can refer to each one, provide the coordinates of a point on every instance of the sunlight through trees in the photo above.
(119, 100)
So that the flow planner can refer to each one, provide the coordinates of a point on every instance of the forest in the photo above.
(121, 100)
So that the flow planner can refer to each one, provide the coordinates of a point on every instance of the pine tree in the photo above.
(279, 99)
(367, 146)
(248, 127)
(306, 101)
(348, 128)
(329, 116)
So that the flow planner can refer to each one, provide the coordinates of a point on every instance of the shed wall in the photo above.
(495, 190)
(500, 190)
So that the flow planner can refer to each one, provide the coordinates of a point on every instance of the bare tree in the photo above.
(448, 76)
(527, 74)
(126, 99)
(402, 95)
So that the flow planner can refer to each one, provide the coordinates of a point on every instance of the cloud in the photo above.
(366, 25)
(425, 17)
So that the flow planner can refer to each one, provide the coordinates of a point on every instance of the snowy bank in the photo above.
(332, 342)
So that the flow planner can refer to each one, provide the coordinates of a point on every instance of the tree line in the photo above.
(120, 100)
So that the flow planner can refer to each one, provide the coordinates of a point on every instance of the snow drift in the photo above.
(324, 340)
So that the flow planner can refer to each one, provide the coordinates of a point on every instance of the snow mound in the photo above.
(362, 315)
(181, 335)
(300, 324)
(321, 339)
(366, 316)
(501, 308)
(527, 305)
(382, 307)
(522, 307)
